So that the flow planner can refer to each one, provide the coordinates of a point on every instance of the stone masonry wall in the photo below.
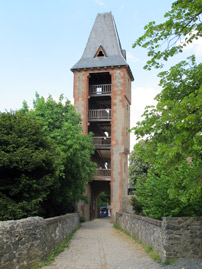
(81, 97)
(182, 237)
(172, 237)
(26, 242)
(120, 122)
(147, 230)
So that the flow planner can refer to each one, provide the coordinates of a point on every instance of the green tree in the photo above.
(103, 200)
(63, 125)
(172, 129)
(173, 137)
(27, 165)
(138, 170)
(137, 167)
(181, 27)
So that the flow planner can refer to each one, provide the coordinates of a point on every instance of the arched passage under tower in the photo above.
(97, 187)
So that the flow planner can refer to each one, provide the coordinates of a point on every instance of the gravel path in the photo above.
(97, 245)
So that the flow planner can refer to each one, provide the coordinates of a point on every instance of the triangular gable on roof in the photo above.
(100, 52)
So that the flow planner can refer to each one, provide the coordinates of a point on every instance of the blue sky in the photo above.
(40, 40)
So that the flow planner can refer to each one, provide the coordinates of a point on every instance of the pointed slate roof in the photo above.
(103, 34)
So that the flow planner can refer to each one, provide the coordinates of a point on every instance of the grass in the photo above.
(127, 233)
(55, 252)
(152, 253)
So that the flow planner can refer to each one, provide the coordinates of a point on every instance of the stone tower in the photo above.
(102, 95)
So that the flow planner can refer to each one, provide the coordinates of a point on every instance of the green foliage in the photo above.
(137, 206)
(27, 165)
(138, 170)
(172, 129)
(63, 125)
(173, 185)
(181, 27)
(137, 167)
(44, 160)
(103, 199)
(82, 219)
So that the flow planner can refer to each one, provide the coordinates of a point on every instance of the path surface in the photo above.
(97, 245)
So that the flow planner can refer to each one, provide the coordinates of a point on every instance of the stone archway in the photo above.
(97, 186)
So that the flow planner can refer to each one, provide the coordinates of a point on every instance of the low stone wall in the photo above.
(147, 230)
(58, 228)
(26, 242)
(182, 237)
(172, 237)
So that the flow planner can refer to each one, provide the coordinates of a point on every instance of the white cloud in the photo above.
(195, 46)
(141, 97)
(99, 2)
(131, 58)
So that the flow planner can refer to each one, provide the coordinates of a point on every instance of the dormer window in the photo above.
(100, 53)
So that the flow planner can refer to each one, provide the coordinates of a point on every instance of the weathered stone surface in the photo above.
(171, 238)
(28, 241)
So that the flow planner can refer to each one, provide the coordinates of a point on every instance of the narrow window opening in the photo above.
(100, 54)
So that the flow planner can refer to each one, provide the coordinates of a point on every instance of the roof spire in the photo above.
(103, 36)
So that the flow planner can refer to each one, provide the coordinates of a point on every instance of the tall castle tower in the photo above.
(102, 95)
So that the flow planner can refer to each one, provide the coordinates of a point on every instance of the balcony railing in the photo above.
(102, 142)
(102, 89)
(103, 172)
(99, 114)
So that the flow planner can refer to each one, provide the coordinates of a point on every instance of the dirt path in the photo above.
(97, 245)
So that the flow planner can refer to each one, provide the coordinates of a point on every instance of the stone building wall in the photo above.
(120, 122)
(26, 242)
(81, 97)
(172, 237)
(128, 205)
(120, 138)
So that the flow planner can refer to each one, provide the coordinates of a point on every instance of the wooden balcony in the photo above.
(103, 173)
(102, 142)
(102, 89)
(99, 114)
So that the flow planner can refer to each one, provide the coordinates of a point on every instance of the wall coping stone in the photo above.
(149, 220)
(181, 218)
(58, 218)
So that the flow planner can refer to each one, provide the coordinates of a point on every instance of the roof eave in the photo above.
(104, 67)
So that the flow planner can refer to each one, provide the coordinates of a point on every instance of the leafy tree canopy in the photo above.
(172, 129)
(27, 165)
(63, 125)
(182, 25)
(173, 145)
(137, 167)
